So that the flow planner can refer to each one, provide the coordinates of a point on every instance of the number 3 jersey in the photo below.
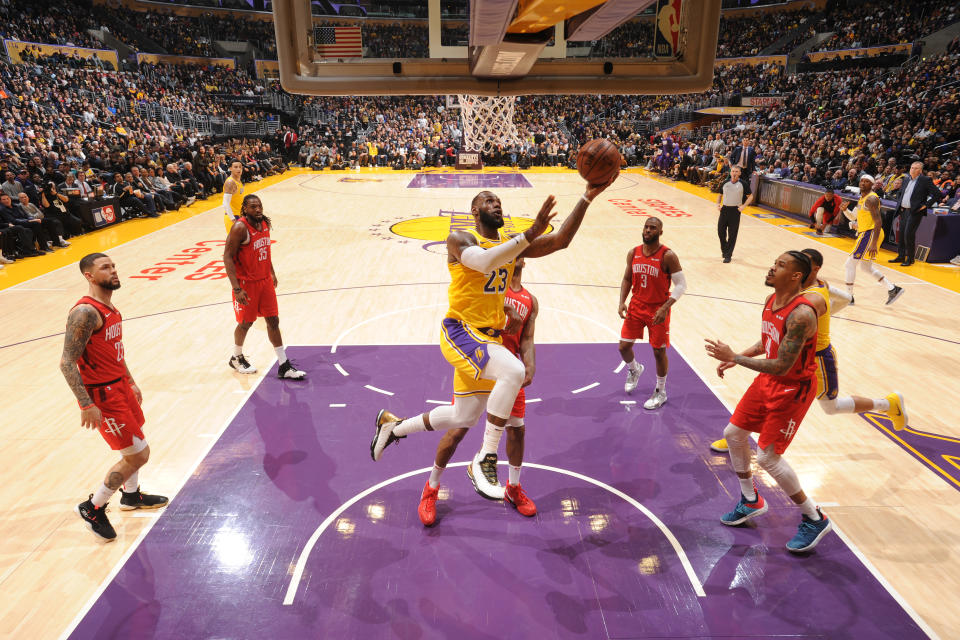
(651, 282)
(477, 298)
(102, 360)
(253, 258)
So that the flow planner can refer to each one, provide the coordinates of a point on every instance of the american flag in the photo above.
(338, 42)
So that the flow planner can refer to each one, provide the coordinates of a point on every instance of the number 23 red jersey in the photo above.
(103, 358)
(772, 330)
(253, 258)
(651, 282)
(522, 302)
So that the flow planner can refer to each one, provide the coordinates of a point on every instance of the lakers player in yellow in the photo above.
(869, 238)
(486, 375)
(826, 300)
(233, 195)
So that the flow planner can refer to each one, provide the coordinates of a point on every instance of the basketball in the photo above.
(598, 161)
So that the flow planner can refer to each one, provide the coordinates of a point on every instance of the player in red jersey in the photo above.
(651, 268)
(94, 365)
(778, 399)
(522, 308)
(247, 261)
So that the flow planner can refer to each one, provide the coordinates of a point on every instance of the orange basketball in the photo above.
(598, 161)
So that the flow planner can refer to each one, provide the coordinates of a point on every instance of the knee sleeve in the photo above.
(463, 414)
(514, 421)
(868, 266)
(738, 443)
(778, 468)
(851, 268)
(507, 370)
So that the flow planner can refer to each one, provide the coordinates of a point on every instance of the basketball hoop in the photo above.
(488, 121)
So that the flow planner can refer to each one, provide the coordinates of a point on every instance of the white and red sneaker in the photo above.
(428, 505)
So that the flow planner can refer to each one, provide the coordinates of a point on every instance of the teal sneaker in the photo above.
(745, 510)
(809, 533)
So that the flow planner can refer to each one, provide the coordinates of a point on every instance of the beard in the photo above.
(652, 240)
(112, 286)
(489, 220)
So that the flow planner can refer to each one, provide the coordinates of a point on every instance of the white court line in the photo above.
(308, 548)
(620, 367)
(143, 534)
(383, 391)
(586, 388)
(886, 585)
(532, 400)
(340, 369)
(628, 402)
(439, 402)
(337, 405)
(336, 343)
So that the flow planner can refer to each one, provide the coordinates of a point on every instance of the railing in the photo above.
(204, 124)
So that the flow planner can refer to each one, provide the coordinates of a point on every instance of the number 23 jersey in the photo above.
(477, 298)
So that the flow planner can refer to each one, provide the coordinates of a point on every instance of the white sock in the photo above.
(410, 425)
(102, 495)
(881, 404)
(809, 508)
(634, 365)
(281, 354)
(886, 282)
(844, 404)
(661, 383)
(435, 473)
(133, 482)
(238, 349)
(491, 438)
(747, 489)
(513, 475)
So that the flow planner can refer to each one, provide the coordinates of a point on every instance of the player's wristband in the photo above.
(84, 408)
(586, 199)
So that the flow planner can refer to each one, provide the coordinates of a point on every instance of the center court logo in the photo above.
(433, 230)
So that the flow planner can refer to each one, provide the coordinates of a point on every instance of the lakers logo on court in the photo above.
(433, 230)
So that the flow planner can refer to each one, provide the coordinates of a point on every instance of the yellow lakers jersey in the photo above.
(477, 298)
(823, 322)
(864, 217)
(236, 198)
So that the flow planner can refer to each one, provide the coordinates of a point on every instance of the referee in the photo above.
(731, 202)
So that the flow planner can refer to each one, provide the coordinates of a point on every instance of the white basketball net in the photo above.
(488, 122)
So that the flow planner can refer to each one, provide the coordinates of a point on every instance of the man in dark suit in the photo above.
(917, 195)
(745, 157)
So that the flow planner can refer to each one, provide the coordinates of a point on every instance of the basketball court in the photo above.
(280, 525)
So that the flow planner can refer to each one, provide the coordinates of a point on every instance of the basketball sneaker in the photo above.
(515, 496)
(96, 518)
(384, 437)
(633, 377)
(894, 294)
(657, 400)
(809, 533)
(428, 505)
(289, 371)
(483, 474)
(745, 510)
(720, 446)
(241, 364)
(897, 411)
(130, 500)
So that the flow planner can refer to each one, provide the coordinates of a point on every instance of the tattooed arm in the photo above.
(81, 323)
(754, 350)
(801, 325)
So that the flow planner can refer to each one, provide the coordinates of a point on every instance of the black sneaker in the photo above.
(96, 518)
(894, 294)
(289, 370)
(138, 500)
(241, 364)
(851, 299)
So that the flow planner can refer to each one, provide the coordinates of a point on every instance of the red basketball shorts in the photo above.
(122, 415)
(635, 322)
(519, 405)
(261, 300)
(774, 409)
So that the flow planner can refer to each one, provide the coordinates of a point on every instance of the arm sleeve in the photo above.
(838, 299)
(486, 260)
(679, 285)
(226, 204)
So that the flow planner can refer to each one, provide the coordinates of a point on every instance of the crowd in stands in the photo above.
(47, 21)
(898, 21)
